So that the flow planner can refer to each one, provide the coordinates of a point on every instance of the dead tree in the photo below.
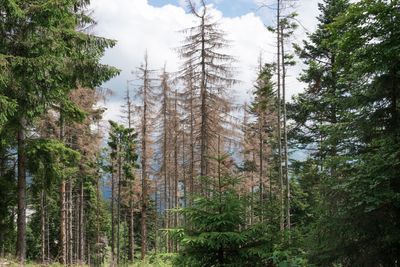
(147, 95)
(211, 71)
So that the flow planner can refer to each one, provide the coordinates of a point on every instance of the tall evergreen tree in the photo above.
(46, 58)
(368, 216)
(123, 154)
(315, 113)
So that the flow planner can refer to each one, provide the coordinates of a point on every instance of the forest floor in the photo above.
(12, 263)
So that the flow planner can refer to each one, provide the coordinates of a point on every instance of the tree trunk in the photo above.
(42, 227)
(119, 205)
(176, 176)
(144, 165)
(112, 216)
(165, 169)
(131, 226)
(282, 217)
(98, 257)
(21, 219)
(63, 211)
(192, 189)
(261, 170)
(70, 223)
(204, 117)
(81, 225)
(285, 131)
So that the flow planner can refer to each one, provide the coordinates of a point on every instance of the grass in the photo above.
(160, 260)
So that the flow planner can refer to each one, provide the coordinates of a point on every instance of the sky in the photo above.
(154, 26)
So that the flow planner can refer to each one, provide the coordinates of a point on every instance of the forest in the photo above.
(189, 175)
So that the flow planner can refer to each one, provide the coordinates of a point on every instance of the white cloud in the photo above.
(138, 26)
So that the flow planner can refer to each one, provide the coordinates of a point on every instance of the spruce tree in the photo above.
(368, 216)
(215, 233)
(44, 58)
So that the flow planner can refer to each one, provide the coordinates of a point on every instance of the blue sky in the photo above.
(230, 8)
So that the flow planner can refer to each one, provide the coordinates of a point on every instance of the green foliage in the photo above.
(216, 233)
(264, 96)
(43, 57)
(156, 260)
(8, 107)
(349, 116)
(123, 146)
(368, 212)
(51, 159)
(46, 58)
(8, 201)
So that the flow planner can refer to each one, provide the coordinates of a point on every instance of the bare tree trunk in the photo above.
(77, 230)
(67, 225)
(70, 222)
(252, 192)
(184, 178)
(98, 257)
(21, 219)
(42, 226)
(219, 171)
(131, 225)
(131, 254)
(285, 131)
(176, 148)
(192, 189)
(204, 117)
(63, 232)
(144, 164)
(63, 210)
(112, 215)
(156, 216)
(81, 225)
(119, 205)
(48, 233)
(164, 152)
(261, 157)
(282, 218)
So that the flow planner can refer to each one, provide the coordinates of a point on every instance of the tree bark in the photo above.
(119, 204)
(63, 211)
(261, 150)
(204, 117)
(112, 216)
(144, 165)
(288, 223)
(278, 39)
(176, 148)
(131, 254)
(42, 227)
(21, 219)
